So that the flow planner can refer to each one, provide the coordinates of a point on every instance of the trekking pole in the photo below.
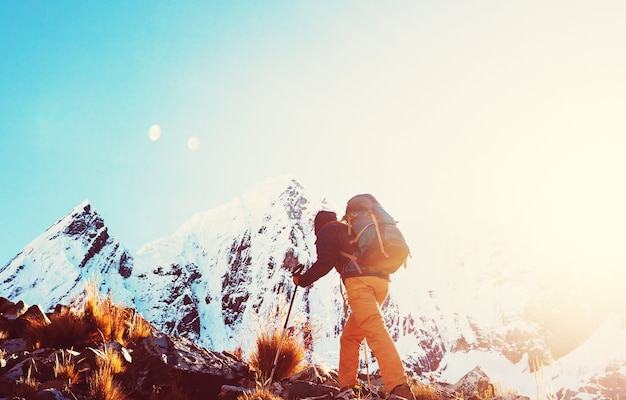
(367, 366)
(297, 270)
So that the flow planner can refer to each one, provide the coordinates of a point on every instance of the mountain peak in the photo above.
(85, 203)
(75, 249)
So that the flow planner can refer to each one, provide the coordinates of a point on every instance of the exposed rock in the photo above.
(230, 392)
(12, 346)
(200, 371)
(152, 369)
(302, 389)
(474, 384)
(21, 325)
(50, 394)
(162, 366)
(314, 373)
(12, 310)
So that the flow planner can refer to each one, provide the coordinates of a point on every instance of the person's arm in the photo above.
(327, 249)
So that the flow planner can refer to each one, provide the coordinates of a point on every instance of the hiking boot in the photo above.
(402, 392)
(348, 392)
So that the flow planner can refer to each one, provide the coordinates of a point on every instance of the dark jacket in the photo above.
(332, 239)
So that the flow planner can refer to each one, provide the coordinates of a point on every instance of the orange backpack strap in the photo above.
(378, 235)
(358, 235)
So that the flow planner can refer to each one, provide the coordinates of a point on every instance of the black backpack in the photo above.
(382, 247)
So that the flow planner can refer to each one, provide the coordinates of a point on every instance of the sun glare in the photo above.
(154, 133)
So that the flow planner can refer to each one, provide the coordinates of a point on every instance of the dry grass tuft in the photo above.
(102, 385)
(114, 322)
(111, 319)
(94, 321)
(65, 329)
(99, 320)
(238, 352)
(110, 359)
(289, 361)
(138, 328)
(259, 394)
(423, 392)
(26, 387)
(67, 369)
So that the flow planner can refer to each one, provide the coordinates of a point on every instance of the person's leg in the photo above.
(350, 344)
(364, 296)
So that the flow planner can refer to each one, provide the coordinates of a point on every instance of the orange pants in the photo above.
(365, 295)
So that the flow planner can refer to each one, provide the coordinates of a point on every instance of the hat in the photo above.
(322, 218)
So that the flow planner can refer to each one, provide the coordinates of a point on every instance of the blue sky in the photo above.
(509, 113)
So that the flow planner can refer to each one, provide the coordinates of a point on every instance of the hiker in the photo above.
(366, 292)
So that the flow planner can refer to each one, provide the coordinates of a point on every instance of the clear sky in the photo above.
(506, 113)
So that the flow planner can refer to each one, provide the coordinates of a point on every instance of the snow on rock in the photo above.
(225, 275)
(57, 265)
(241, 255)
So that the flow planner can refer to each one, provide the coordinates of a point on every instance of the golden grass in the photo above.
(98, 321)
(289, 361)
(238, 352)
(26, 387)
(138, 328)
(67, 369)
(102, 385)
(424, 392)
(110, 359)
(95, 322)
(111, 319)
(65, 329)
(259, 394)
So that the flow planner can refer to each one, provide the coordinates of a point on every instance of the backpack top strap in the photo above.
(378, 235)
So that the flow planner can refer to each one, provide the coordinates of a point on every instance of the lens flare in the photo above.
(193, 143)
(154, 133)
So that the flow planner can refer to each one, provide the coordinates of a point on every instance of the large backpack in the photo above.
(382, 247)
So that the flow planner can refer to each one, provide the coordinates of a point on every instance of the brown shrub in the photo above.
(66, 368)
(26, 387)
(66, 329)
(138, 328)
(98, 321)
(259, 394)
(423, 392)
(110, 319)
(290, 358)
(114, 322)
(110, 359)
(102, 386)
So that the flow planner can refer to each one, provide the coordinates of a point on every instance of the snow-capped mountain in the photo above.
(76, 249)
(225, 275)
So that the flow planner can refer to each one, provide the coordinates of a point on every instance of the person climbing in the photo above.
(366, 292)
